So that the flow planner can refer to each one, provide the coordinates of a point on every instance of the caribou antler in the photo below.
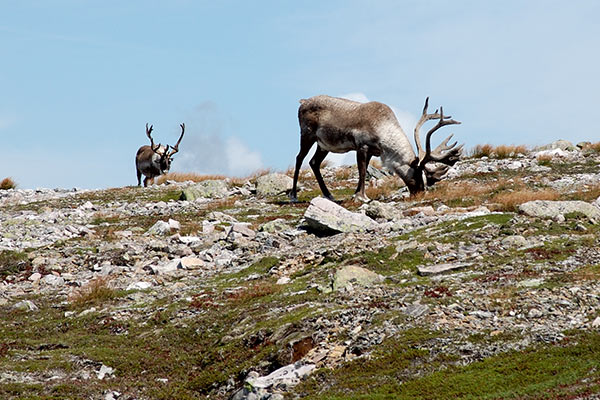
(175, 148)
(444, 153)
(148, 133)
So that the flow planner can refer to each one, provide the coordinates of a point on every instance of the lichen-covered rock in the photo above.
(325, 215)
(212, 189)
(276, 225)
(552, 209)
(273, 184)
(352, 275)
(376, 209)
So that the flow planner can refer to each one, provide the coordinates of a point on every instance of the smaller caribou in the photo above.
(155, 160)
(371, 129)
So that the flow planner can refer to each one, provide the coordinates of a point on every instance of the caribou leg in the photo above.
(306, 143)
(315, 164)
(362, 160)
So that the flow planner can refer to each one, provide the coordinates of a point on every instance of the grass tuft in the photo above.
(96, 291)
(7, 183)
(510, 200)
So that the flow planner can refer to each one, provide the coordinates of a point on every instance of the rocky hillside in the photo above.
(486, 286)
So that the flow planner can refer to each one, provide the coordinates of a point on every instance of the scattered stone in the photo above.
(273, 185)
(160, 228)
(425, 270)
(53, 280)
(25, 305)
(514, 241)
(416, 310)
(35, 277)
(190, 263)
(551, 209)
(535, 282)
(376, 210)
(104, 372)
(596, 323)
(174, 225)
(350, 276)
(276, 225)
(212, 189)
(287, 376)
(325, 215)
(558, 144)
(139, 286)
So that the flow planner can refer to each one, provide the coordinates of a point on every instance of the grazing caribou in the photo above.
(339, 125)
(155, 160)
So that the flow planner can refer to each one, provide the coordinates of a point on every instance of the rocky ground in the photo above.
(484, 287)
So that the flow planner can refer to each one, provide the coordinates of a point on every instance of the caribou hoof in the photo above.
(361, 198)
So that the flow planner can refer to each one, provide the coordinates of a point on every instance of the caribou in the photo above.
(155, 160)
(371, 129)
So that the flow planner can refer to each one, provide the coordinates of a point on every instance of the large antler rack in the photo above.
(175, 148)
(444, 153)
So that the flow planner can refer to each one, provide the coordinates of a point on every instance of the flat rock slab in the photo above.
(440, 268)
(552, 209)
(325, 215)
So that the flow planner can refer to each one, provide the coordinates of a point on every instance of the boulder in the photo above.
(552, 209)
(273, 184)
(561, 144)
(212, 189)
(325, 215)
(351, 275)
(287, 376)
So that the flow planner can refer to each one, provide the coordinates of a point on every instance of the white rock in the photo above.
(174, 225)
(190, 263)
(53, 280)
(289, 375)
(35, 277)
(596, 322)
(104, 371)
(139, 286)
(159, 228)
(283, 280)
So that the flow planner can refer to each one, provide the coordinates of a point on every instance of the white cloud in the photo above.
(207, 149)
(240, 159)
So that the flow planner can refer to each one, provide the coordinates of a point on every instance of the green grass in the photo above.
(543, 372)
(13, 263)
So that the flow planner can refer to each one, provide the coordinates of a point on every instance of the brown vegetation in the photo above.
(96, 291)
(502, 151)
(7, 183)
(510, 200)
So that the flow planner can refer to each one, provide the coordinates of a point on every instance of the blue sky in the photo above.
(80, 79)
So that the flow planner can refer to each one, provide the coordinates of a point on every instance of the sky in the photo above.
(79, 79)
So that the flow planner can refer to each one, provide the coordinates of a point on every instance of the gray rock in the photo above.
(160, 228)
(551, 209)
(376, 209)
(25, 305)
(351, 275)
(325, 215)
(277, 225)
(213, 189)
(514, 241)
(416, 310)
(273, 184)
(597, 202)
(244, 229)
(558, 144)
(425, 270)
(53, 280)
